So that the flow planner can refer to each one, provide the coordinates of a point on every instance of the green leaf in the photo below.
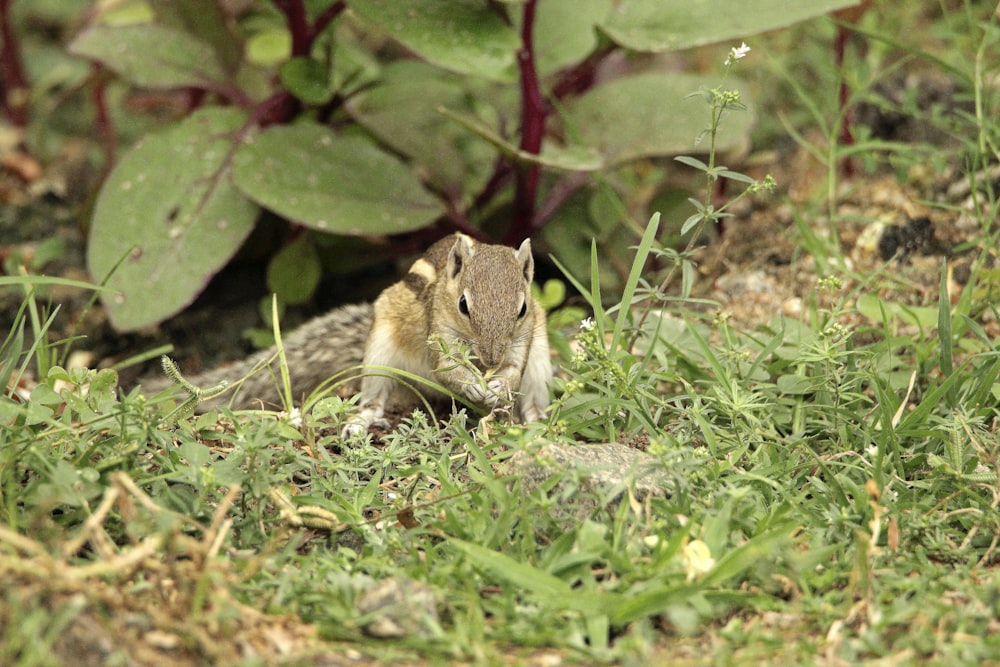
(507, 569)
(692, 162)
(307, 79)
(651, 601)
(651, 115)
(294, 272)
(151, 56)
(170, 210)
(766, 545)
(197, 454)
(207, 22)
(736, 176)
(43, 394)
(565, 32)
(465, 36)
(873, 308)
(551, 294)
(268, 48)
(353, 69)
(798, 384)
(340, 184)
(403, 112)
(655, 25)
(530, 578)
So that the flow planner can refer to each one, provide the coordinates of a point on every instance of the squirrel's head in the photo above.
(488, 290)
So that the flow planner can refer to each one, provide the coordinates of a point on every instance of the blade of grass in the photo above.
(944, 328)
(535, 580)
(638, 263)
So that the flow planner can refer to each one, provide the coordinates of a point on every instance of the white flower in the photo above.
(737, 52)
(587, 324)
(294, 418)
(697, 559)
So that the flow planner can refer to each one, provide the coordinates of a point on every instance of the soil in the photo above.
(910, 223)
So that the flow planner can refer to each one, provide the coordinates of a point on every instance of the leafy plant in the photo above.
(379, 117)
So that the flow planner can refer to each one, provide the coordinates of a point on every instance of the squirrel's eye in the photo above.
(524, 310)
(463, 305)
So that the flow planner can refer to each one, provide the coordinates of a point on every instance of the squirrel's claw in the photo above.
(495, 394)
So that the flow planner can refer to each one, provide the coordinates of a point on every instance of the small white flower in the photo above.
(587, 324)
(737, 52)
(697, 559)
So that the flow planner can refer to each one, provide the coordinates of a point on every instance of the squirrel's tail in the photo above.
(317, 350)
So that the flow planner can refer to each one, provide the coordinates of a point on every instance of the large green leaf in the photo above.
(207, 22)
(565, 32)
(151, 56)
(340, 184)
(655, 25)
(170, 210)
(403, 111)
(652, 114)
(465, 36)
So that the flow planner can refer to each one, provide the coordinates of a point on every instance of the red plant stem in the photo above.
(532, 129)
(103, 119)
(846, 135)
(324, 19)
(14, 92)
(276, 109)
(298, 26)
(582, 76)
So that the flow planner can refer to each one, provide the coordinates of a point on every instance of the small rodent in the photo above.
(469, 295)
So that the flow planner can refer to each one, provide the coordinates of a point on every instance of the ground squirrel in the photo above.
(470, 295)
(459, 295)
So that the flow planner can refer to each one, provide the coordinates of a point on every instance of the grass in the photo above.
(832, 479)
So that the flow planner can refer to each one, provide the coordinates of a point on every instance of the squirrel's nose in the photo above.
(491, 356)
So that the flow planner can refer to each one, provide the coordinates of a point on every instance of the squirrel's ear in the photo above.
(460, 253)
(524, 258)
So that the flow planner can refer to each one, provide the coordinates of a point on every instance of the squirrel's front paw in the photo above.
(353, 428)
(495, 394)
(532, 413)
(359, 424)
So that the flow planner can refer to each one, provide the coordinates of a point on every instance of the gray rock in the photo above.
(400, 607)
(600, 468)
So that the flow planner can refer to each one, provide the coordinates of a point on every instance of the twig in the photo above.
(324, 19)
(119, 564)
(105, 130)
(295, 15)
(26, 545)
(127, 484)
(581, 76)
(532, 129)
(92, 527)
(14, 86)
(307, 516)
(219, 528)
